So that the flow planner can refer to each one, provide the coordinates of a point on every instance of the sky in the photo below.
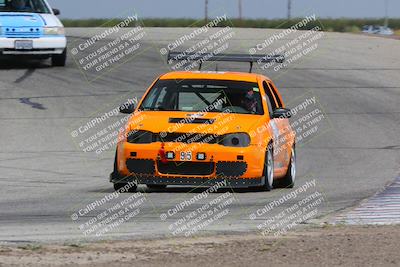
(268, 9)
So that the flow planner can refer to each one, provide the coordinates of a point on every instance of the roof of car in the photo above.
(214, 75)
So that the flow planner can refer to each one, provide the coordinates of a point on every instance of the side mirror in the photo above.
(282, 113)
(127, 108)
(56, 11)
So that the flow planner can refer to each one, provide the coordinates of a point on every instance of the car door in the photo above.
(283, 125)
(276, 126)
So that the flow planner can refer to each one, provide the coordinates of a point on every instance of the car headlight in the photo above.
(235, 140)
(54, 31)
(140, 137)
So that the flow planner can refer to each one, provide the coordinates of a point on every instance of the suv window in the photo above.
(32, 6)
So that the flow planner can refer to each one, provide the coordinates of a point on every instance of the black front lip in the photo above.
(191, 181)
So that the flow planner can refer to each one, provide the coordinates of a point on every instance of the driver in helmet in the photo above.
(249, 102)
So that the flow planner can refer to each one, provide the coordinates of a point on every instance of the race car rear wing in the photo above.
(181, 56)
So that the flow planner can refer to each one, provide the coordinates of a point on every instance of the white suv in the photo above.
(30, 27)
(383, 30)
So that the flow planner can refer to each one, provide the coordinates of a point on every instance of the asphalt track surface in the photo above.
(45, 177)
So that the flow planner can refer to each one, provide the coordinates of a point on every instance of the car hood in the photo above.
(182, 122)
(19, 19)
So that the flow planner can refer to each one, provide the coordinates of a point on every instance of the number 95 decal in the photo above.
(185, 156)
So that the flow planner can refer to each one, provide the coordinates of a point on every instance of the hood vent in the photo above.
(191, 121)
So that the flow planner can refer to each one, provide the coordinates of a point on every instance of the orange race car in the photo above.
(202, 128)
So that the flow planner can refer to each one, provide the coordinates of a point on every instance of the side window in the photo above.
(273, 89)
(270, 100)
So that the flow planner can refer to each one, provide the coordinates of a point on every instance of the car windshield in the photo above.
(32, 6)
(204, 96)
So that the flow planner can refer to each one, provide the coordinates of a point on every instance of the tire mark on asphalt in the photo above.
(26, 75)
(38, 170)
(38, 152)
(24, 182)
(51, 118)
(27, 101)
(65, 96)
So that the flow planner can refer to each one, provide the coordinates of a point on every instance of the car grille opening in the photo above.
(186, 168)
(231, 168)
(22, 32)
(141, 166)
(189, 138)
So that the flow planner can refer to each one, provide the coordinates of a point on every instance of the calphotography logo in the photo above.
(108, 48)
(204, 42)
(112, 212)
(209, 210)
(299, 206)
(102, 132)
(296, 42)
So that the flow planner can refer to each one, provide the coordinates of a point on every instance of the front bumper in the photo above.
(240, 167)
(41, 46)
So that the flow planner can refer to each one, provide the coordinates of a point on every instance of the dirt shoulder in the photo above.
(327, 246)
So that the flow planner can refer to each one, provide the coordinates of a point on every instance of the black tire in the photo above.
(290, 177)
(268, 173)
(116, 177)
(59, 60)
(119, 186)
(156, 186)
(115, 170)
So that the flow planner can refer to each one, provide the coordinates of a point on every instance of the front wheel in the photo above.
(119, 186)
(268, 174)
(59, 60)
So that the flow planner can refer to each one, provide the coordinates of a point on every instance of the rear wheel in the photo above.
(268, 174)
(290, 177)
(59, 60)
